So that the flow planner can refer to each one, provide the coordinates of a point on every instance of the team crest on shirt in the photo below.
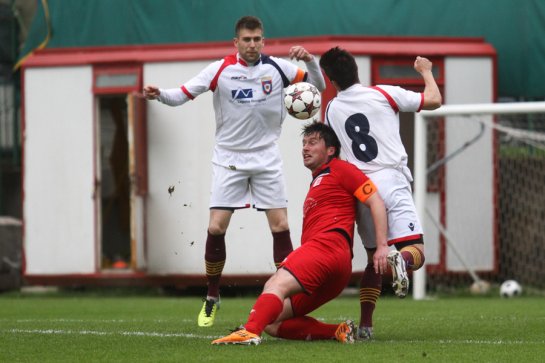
(318, 179)
(266, 85)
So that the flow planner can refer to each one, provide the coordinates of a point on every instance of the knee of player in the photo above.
(278, 219)
(280, 227)
(216, 230)
(415, 255)
(282, 284)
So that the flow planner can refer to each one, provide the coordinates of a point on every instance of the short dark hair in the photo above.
(340, 66)
(248, 22)
(326, 133)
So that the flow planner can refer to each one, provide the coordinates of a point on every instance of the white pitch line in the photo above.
(102, 333)
(62, 320)
(211, 337)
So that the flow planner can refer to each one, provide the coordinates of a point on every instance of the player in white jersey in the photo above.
(248, 89)
(366, 119)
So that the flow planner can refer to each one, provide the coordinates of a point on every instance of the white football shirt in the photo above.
(248, 99)
(366, 120)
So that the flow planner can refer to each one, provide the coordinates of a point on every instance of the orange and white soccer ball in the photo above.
(302, 100)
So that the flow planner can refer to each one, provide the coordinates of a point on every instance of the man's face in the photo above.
(315, 153)
(249, 44)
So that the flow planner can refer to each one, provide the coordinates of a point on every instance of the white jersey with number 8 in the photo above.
(366, 121)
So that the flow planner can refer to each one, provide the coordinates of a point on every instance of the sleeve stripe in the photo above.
(391, 101)
(227, 61)
(365, 190)
(300, 76)
(189, 95)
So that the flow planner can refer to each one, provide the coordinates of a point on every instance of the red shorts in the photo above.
(323, 266)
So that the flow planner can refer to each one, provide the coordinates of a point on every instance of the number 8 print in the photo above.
(364, 147)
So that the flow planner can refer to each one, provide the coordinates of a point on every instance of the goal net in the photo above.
(480, 192)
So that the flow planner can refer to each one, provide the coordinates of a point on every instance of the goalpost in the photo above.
(479, 179)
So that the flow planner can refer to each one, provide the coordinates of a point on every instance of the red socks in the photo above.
(306, 328)
(264, 312)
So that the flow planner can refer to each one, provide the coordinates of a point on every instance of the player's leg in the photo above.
(370, 289)
(332, 272)
(405, 233)
(270, 305)
(230, 191)
(214, 259)
(409, 254)
(269, 193)
(308, 328)
(412, 252)
(215, 253)
(403, 223)
(371, 281)
(278, 223)
(311, 275)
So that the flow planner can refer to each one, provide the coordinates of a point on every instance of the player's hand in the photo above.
(422, 64)
(151, 92)
(300, 53)
(379, 259)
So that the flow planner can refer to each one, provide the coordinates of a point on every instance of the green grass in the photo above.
(80, 327)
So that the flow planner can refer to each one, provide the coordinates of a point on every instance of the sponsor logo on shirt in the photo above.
(318, 178)
(239, 77)
(239, 94)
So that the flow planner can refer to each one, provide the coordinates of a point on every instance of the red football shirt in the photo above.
(331, 200)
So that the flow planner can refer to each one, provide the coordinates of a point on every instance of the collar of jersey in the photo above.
(324, 169)
(245, 64)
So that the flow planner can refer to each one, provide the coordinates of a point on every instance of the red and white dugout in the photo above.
(116, 190)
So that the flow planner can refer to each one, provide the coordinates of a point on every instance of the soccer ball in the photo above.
(510, 288)
(302, 100)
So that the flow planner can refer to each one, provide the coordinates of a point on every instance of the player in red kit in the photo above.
(320, 268)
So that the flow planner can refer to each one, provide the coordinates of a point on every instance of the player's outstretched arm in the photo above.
(315, 75)
(171, 97)
(432, 95)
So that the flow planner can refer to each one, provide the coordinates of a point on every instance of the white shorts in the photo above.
(403, 222)
(244, 179)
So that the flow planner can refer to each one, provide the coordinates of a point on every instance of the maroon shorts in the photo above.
(323, 266)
